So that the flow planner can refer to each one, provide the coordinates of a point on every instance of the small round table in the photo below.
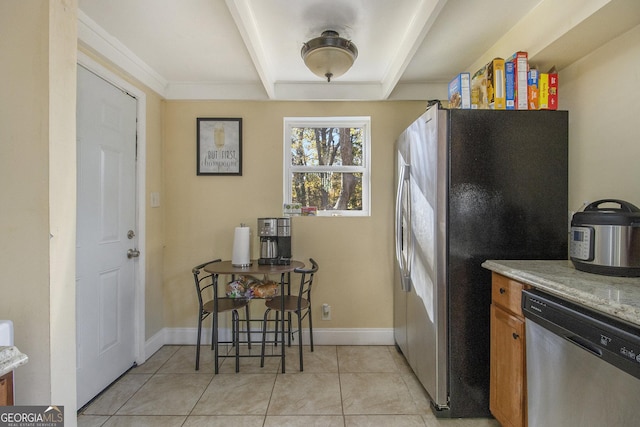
(225, 267)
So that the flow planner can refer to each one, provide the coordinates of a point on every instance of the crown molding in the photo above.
(96, 38)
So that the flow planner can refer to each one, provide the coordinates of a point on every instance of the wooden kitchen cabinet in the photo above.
(508, 384)
(6, 389)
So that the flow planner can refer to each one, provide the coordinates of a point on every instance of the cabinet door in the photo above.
(6, 389)
(507, 394)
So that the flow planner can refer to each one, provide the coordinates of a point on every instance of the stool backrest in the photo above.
(306, 280)
(203, 281)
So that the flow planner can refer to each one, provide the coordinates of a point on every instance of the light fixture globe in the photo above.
(329, 55)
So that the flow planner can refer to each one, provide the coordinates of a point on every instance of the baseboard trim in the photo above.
(333, 336)
(152, 345)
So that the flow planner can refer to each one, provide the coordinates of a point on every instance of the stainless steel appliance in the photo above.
(268, 232)
(606, 240)
(284, 241)
(275, 241)
(472, 185)
(583, 367)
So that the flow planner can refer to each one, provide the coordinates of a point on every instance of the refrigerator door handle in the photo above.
(404, 265)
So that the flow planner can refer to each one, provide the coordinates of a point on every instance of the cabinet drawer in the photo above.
(507, 293)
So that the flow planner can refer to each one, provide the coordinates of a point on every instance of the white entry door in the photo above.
(106, 231)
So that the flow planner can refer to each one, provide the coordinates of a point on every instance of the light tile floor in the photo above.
(345, 386)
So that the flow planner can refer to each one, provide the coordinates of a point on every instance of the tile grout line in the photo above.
(344, 419)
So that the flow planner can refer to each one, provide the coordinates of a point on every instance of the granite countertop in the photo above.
(615, 296)
(11, 358)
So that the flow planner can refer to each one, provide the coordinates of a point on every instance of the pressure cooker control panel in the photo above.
(581, 246)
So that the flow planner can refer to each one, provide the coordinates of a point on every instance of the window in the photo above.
(327, 164)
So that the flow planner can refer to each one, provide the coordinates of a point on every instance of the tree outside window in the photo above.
(327, 164)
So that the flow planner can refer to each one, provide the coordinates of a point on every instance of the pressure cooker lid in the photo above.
(596, 214)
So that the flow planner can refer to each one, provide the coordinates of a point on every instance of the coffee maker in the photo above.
(284, 241)
(275, 241)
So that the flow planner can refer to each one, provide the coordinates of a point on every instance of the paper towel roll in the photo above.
(241, 255)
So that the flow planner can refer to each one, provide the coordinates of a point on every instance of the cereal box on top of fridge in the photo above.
(460, 91)
(520, 61)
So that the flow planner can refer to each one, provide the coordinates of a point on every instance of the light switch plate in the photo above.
(155, 199)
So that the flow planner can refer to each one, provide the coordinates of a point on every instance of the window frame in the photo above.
(363, 122)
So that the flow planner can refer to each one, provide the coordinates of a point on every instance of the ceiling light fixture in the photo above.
(329, 55)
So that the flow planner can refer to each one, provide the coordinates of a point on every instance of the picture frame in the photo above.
(219, 146)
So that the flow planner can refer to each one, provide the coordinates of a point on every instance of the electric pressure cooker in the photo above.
(606, 240)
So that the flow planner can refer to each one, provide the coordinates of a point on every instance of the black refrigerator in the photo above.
(472, 185)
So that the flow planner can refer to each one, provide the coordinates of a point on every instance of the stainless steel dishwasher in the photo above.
(583, 367)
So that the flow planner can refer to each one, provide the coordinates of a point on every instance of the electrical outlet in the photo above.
(326, 312)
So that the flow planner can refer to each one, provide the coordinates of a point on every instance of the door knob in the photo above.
(133, 253)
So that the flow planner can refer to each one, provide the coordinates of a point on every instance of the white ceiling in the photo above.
(250, 49)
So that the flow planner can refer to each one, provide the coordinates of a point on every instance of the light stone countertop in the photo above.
(615, 296)
(10, 359)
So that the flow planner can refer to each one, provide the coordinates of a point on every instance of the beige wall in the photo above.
(355, 254)
(24, 172)
(154, 297)
(37, 171)
(602, 93)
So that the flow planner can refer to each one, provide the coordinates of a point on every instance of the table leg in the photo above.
(215, 322)
(282, 293)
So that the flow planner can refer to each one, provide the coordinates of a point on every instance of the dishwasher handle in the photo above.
(585, 345)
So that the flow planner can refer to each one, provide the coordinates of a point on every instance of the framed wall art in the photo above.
(219, 146)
